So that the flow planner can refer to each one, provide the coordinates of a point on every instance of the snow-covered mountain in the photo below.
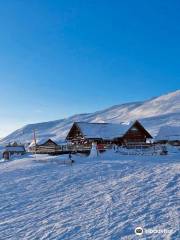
(153, 113)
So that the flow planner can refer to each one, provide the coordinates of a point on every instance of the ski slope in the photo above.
(153, 113)
(101, 198)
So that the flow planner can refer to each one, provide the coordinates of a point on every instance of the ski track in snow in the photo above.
(98, 199)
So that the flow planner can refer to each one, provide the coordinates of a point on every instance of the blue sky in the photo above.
(62, 57)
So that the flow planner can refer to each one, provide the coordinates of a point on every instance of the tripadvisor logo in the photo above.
(138, 231)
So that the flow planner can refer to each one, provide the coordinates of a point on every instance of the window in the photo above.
(134, 129)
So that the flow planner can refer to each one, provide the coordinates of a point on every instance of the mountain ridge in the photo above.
(153, 113)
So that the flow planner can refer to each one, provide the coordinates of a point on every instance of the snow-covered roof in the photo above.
(170, 133)
(103, 130)
(40, 141)
(15, 148)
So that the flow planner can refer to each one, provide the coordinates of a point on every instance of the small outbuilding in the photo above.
(14, 149)
(43, 146)
(169, 134)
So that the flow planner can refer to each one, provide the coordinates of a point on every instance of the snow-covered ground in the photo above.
(103, 198)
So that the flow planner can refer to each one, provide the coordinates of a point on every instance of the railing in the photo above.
(86, 148)
(60, 149)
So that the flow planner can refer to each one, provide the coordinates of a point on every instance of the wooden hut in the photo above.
(104, 133)
(169, 134)
(43, 146)
(13, 150)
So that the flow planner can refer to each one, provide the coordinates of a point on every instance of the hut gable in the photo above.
(49, 142)
(75, 132)
(43, 142)
(136, 133)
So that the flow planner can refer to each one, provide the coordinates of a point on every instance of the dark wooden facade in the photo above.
(6, 155)
(52, 148)
(136, 134)
(75, 134)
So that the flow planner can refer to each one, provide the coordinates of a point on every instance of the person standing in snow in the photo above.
(70, 156)
(114, 147)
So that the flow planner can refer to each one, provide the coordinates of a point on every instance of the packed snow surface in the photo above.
(102, 198)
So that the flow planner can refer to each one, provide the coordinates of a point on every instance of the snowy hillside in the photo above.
(154, 113)
(102, 198)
